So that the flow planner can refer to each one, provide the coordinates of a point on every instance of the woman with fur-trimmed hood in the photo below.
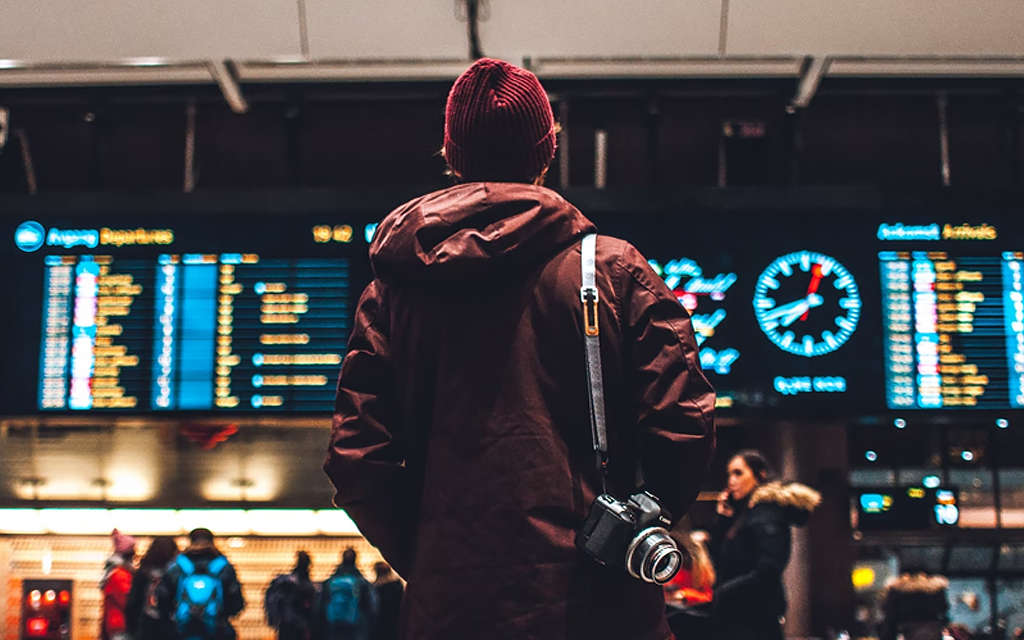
(751, 547)
(915, 607)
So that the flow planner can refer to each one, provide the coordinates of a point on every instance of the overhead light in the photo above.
(77, 521)
(229, 523)
(9, 64)
(22, 521)
(221, 521)
(146, 62)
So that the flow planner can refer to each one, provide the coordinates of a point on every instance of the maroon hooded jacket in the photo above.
(461, 443)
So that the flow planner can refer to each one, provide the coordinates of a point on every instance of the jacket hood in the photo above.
(474, 232)
(918, 583)
(113, 563)
(202, 549)
(797, 501)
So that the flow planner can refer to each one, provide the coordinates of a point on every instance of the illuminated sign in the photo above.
(900, 231)
(686, 280)
(934, 232)
(70, 238)
(30, 236)
(807, 384)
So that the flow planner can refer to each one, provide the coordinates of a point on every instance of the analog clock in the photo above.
(807, 303)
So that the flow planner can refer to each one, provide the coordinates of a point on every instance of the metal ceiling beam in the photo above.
(224, 76)
(814, 70)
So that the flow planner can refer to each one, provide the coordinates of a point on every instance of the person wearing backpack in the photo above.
(200, 592)
(348, 603)
(141, 612)
(289, 602)
(115, 585)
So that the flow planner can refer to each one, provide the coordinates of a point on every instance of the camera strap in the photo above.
(592, 340)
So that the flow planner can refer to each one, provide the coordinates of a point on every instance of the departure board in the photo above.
(953, 330)
(131, 320)
(217, 328)
(861, 311)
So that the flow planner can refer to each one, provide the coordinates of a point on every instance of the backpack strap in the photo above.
(186, 564)
(592, 354)
(217, 565)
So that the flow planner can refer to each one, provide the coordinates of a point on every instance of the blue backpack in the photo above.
(342, 600)
(199, 603)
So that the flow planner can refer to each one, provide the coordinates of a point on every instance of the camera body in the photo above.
(631, 533)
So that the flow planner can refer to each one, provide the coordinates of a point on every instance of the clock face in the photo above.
(807, 303)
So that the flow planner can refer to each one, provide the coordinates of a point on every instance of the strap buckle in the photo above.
(589, 298)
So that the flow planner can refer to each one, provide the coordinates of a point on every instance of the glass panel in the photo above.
(915, 477)
(977, 499)
(921, 558)
(1011, 492)
(970, 603)
(1010, 599)
(970, 559)
(864, 478)
(1011, 558)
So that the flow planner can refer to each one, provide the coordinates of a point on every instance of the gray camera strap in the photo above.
(592, 339)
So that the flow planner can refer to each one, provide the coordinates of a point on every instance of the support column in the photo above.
(797, 578)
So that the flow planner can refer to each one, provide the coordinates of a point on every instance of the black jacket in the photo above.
(202, 553)
(915, 605)
(750, 552)
(142, 625)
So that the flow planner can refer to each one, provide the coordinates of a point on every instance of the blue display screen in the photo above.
(184, 317)
(798, 313)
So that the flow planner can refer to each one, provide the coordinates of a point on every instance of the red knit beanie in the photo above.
(498, 124)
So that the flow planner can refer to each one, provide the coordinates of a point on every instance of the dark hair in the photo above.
(160, 553)
(758, 464)
(302, 563)
(348, 556)
(382, 569)
(200, 534)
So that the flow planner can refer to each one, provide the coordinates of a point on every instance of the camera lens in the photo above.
(653, 556)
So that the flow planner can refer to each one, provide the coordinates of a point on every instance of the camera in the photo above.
(631, 533)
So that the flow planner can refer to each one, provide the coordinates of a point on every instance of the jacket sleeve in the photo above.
(675, 403)
(771, 537)
(166, 591)
(234, 601)
(133, 606)
(116, 597)
(365, 461)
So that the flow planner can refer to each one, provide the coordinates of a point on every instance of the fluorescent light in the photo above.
(264, 522)
(222, 522)
(77, 521)
(146, 62)
(22, 521)
(336, 522)
(9, 64)
(147, 521)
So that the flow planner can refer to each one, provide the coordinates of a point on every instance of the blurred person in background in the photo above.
(751, 544)
(916, 606)
(290, 600)
(143, 615)
(348, 603)
(115, 585)
(462, 442)
(200, 592)
(389, 590)
(688, 595)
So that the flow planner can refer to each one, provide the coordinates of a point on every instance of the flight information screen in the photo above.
(152, 320)
(954, 329)
(799, 311)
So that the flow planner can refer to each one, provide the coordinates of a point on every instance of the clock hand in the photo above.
(813, 287)
(786, 309)
(801, 309)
